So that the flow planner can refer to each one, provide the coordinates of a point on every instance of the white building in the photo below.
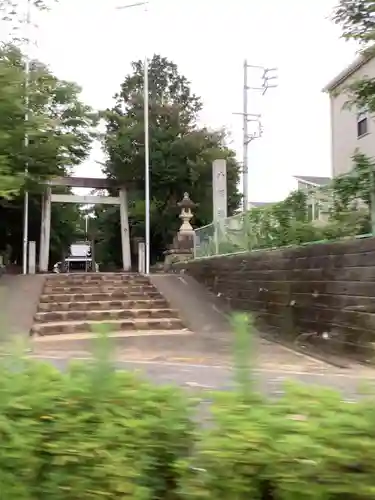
(351, 128)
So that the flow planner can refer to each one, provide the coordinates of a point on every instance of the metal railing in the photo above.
(241, 233)
(231, 235)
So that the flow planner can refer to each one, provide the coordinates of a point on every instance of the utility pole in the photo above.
(26, 199)
(245, 143)
(147, 166)
(268, 81)
(144, 4)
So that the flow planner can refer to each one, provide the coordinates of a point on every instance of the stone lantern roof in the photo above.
(186, 202)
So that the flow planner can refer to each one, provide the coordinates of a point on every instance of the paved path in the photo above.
(213, 377)
(19, 297)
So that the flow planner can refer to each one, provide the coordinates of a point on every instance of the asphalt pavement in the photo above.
(210, 377)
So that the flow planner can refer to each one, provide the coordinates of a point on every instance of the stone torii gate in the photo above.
(82, 182)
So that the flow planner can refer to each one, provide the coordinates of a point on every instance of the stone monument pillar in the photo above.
(182, 248)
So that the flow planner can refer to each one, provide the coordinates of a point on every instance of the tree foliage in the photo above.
(357, 21)
(59, 128)
(66, 226)
(16, 14)
(181, 152)
(355, 186)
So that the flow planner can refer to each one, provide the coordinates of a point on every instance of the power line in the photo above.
(268, 80)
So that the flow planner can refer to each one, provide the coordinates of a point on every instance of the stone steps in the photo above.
(102, 276)
(99, 296)
(106, 288)
(102, 315)
(70, 327)
(115, 279)
(120, 303)
(106, 305)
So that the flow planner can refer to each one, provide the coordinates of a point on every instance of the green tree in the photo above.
(59, 126)
(357, 21)
(181, 152)
(12, 106)
(66, 226)
(60, 129)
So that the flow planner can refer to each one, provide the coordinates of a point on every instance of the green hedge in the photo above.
(92, 433)
(308, 445)
(89, 433)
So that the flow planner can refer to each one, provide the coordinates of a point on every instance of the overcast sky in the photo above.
(92, 43)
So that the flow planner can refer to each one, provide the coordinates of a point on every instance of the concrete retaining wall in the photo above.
(310, 292)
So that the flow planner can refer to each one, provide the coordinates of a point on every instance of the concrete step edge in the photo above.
(166, 310)
(111, 310)
(102, 282)
(66, 337)
(143, 300)
(47, 298)
(94, 276)
(105, 288)
(89, 326)
(108, 303)
(80, 290)
(99, 285)
(107, 322)
(118, 284)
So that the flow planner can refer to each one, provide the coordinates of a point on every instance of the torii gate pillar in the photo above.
(125, 237)
(45, 231)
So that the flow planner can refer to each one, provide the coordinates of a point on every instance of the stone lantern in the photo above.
(182, 247)
(186, 215)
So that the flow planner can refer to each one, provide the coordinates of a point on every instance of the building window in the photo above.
(313, 211)
(362, 123)
(310, 212)
(316, 211)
